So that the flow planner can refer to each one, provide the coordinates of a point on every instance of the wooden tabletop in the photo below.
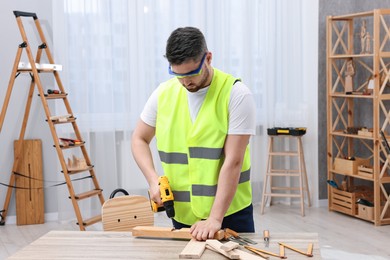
(122, 245)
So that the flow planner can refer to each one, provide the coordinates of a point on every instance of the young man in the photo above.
(202, 119)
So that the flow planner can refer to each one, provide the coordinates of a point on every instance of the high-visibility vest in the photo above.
(192, 152)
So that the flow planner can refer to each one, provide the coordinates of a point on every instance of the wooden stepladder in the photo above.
(273, 172)
(34, 69)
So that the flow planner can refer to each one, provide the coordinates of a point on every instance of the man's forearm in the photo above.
(227, 186)
(144, 160)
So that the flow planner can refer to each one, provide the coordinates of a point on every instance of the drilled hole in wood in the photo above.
(135, 217)
(119, 220)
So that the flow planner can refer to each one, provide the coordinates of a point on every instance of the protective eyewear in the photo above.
(193, 73)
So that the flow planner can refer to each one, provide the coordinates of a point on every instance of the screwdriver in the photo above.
(266, 237)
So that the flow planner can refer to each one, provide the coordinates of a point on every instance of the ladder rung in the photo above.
(55, 96)
(80, 170)
(87, 194)
(70, 120)
(282, 195)
(284, 153)
(91, 221)
(283, 174)
(70, 146)
(285, 188)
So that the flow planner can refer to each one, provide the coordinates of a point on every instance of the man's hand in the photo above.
(205, 229)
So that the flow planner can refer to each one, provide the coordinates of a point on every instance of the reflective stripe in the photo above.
(204, 190)
(205, 153)
(245, 176)
(182, 196)
(179, 158)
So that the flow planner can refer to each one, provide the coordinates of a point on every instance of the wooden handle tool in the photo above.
(266, 237)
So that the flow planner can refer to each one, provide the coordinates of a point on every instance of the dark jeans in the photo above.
(241, 221)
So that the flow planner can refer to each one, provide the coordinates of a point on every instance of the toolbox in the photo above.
(295, 131)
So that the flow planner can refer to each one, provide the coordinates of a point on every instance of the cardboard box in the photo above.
(365, 212)
(349, 167)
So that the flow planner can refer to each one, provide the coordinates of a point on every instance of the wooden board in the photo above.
(167, 232)
(126, 212)
(30, 197)
(216, 245)
(193, 250)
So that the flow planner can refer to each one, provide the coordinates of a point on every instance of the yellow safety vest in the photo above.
(192, 153)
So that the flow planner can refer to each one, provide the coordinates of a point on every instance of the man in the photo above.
(202, 119)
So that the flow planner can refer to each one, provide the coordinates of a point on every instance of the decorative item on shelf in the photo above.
(365, 38)
(364, 131)
(349, 73)
(353, 130)
(76, 164)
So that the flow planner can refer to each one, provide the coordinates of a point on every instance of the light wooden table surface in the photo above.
(122, 245)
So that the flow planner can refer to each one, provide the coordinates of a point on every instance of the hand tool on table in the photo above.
(266, 237)
(230, 237)
(238, 237)
(166, 198)
(309, 252)
(256, 250)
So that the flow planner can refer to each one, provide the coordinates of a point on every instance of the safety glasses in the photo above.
(193, 73)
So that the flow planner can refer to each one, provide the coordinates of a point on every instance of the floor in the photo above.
(340, 236)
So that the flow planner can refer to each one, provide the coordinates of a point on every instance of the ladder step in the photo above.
(80, 170)
(282, 195)
(283, 153)
(91, 221)
(55, 96)
(69, 120)
(284, 174)
(87, 194)
(70, 146)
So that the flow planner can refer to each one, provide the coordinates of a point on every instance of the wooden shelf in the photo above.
(369, 56)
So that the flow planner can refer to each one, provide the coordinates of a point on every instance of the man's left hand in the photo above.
(205, 229)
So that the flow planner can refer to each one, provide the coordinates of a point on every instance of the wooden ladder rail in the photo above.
(36, 81)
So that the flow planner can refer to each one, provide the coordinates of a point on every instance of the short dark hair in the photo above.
(185, 43)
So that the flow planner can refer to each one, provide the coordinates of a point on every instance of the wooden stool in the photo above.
(272, 172)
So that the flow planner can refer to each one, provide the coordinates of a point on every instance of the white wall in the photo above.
(37, 126)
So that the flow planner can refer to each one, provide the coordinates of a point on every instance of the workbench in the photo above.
(122, 245)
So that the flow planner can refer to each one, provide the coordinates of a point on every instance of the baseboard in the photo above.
(48, 217)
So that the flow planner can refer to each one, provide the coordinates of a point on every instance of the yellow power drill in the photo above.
(166, 198)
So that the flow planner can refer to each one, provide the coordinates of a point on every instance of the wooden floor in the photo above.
(340, 236)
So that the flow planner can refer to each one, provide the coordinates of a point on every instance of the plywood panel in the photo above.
(29, 191)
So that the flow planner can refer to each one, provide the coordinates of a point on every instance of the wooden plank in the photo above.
(216, 245)
(193, 250)
(230, 246)
(30, 197)
(167, 232)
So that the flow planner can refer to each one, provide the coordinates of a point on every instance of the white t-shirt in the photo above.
(242, 109)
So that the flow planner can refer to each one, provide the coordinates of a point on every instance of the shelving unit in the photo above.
(358, 108)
